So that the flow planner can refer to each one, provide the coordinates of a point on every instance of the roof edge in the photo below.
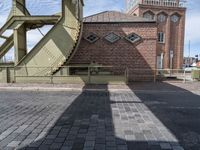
(120, 22)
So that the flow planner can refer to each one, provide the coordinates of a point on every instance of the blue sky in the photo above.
(47, 7)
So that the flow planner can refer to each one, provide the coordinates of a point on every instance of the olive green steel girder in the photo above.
(29, 21)
(55, 48)
(19, 16)
(6, 46)
(3, 37)
(57, 45)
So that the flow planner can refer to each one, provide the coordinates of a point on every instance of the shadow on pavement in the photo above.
(134, 120)
(176, 108)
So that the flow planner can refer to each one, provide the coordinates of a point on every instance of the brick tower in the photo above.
(170, 15)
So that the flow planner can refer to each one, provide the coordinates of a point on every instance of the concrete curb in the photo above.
(38, 89)
(80, 87)
(66, 89)
(57, 89)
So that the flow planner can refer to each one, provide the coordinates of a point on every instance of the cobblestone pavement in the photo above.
(100, 120)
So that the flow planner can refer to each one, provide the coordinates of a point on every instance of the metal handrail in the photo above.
(162, 3)
(88, 74)
(182, 74)
(166, 3)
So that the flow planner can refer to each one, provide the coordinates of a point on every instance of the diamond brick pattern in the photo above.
(112, 37)
(92, 38)
(133, 38)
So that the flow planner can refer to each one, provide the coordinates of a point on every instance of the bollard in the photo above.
(184, 80)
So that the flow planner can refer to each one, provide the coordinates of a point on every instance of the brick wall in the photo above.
(122, 53)
(174, 32)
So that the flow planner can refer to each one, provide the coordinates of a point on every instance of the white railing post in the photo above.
(170, 71)
(184, 80)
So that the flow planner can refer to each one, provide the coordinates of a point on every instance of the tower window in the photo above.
(161, 37)
(149, 15)
(174, 18)
(161, 18)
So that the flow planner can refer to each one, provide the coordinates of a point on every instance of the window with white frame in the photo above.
(161, 37)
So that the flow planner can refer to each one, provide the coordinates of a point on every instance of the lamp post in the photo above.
(188, 60)
(171, 61)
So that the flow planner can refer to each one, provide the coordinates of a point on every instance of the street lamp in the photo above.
(171, 61)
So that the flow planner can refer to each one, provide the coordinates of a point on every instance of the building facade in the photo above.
(159, 25)
(119, 40)
(147, 37)
(170, 16)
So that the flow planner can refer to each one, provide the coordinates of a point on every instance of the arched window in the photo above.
(162, 17)
(175, 18)
(149, 15)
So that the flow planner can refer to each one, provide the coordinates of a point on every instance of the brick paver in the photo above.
(87, 120)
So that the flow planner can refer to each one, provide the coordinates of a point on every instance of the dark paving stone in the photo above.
(138, 145)
(75, 120)
(56, 146)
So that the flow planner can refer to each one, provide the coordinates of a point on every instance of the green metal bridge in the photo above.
(54, 50)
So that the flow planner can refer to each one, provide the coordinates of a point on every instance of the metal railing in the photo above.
(167, 3)
(180, 75)
(98, 74)
(86, 73)
(176, 74)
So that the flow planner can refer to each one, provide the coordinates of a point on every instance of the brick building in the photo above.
(170, 16)
(149, 36)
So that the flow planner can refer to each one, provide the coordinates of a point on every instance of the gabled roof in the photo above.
(114, 17)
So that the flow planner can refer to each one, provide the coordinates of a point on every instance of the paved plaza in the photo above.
(146, 116)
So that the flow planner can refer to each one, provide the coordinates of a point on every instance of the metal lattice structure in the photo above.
(56, 47)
